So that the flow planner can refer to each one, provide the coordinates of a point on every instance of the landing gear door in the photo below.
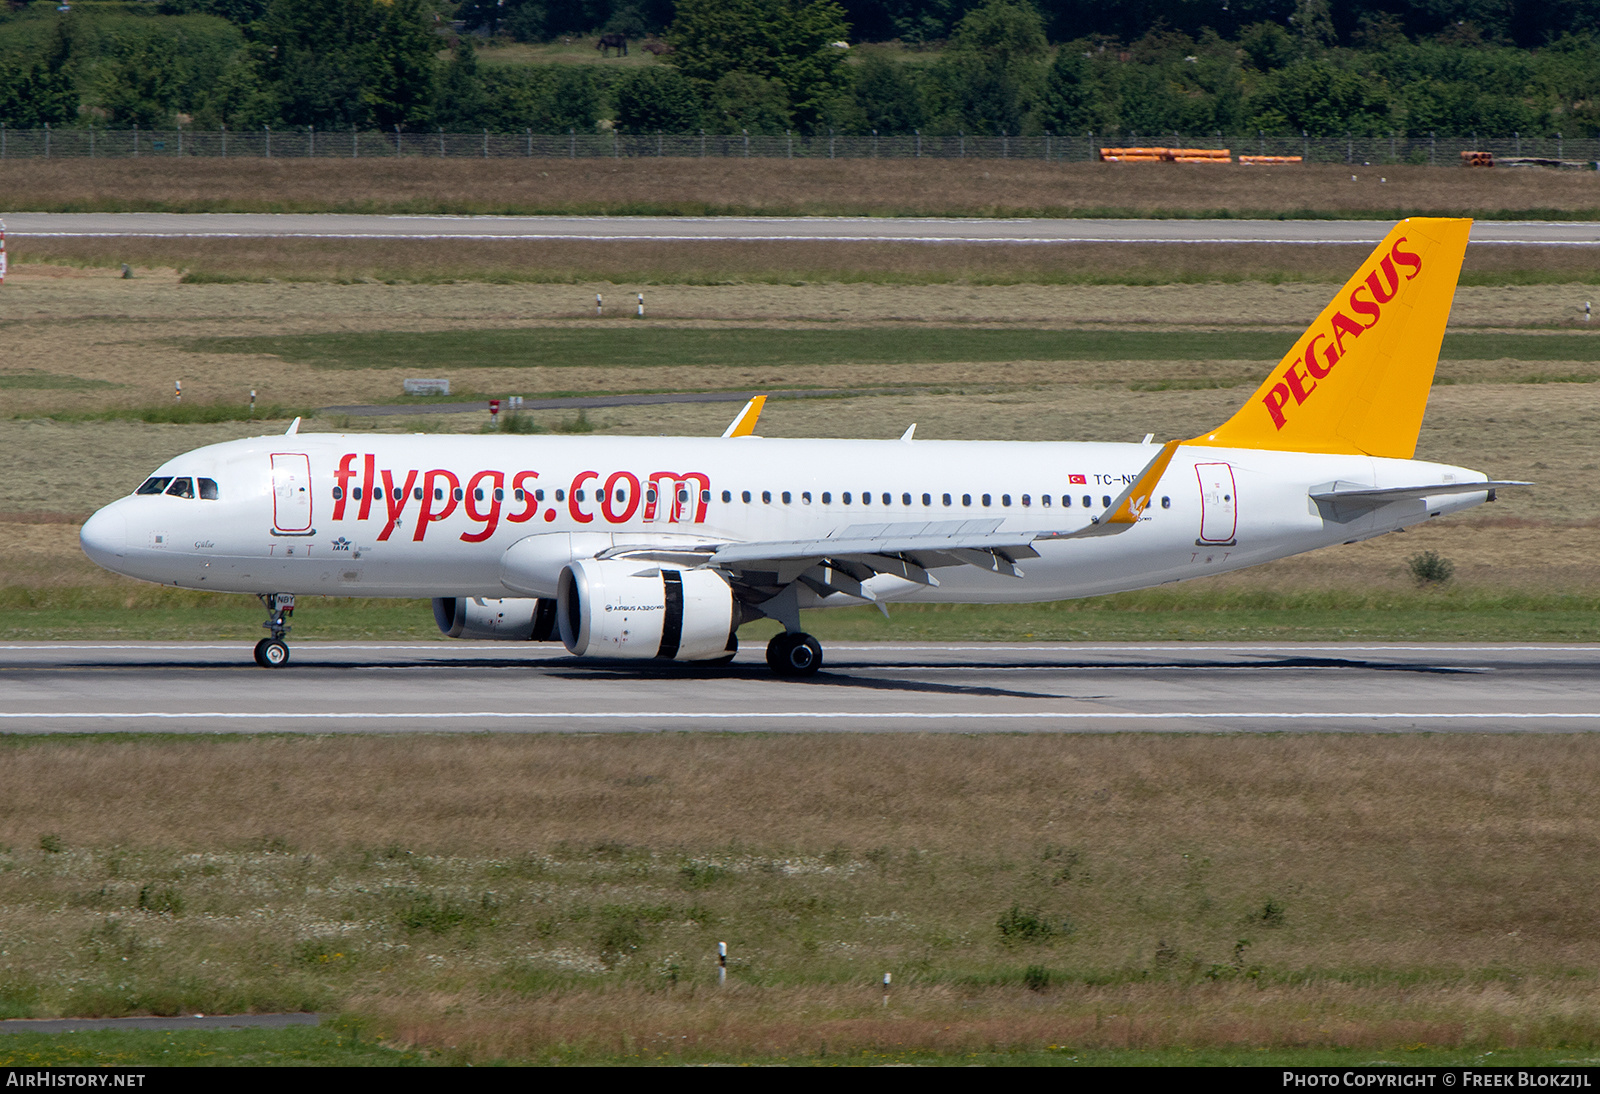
(1219, 514)
(291, 491)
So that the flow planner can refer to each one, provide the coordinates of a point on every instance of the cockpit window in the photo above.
(208, 489)
(154, 486)
(181, 488)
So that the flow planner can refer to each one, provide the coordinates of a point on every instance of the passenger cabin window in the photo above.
(805, 497)
(786, 497)
(827, 498)
(866, 497)
(1106, 501)
(1166, 503)
(338, 492)
(727, 495)
(947, 499)
(1044, 500)
(887, 500)
(927, 499)
(766, 497)
(845, 497)
(1088, 502)
(1005, 499)
(181, 488)
(746, 496)
(208, 489)
(1026, 501)
(154, 486)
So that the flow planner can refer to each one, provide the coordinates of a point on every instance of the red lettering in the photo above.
(428, 516)
(1343, 325)
(1296, 382)
(1365, 307)
(395, 500)
(1407, 259)
(1274, 401)
(341, 480)
(491, 519)
(1381, 295)
(530, 504)
(572, 496)
(677, 483)
(369, 475)
(1311, 358)
(608, 497)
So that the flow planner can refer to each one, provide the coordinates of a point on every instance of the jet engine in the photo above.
(617, 608)
(518, 619)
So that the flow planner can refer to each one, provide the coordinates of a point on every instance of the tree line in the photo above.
(982, 67)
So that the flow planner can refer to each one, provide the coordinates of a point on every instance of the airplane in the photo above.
(662, 548)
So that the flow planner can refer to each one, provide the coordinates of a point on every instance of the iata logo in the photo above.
(1324, 348)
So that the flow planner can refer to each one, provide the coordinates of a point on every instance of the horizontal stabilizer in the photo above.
(1357, 494)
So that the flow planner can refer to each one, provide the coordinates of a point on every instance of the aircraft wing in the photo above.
(844, 558)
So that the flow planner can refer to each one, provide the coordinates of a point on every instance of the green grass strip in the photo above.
(1443, 615)
(620, 346)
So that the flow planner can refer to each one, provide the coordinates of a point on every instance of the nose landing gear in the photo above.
(794, 654)
(273, 652)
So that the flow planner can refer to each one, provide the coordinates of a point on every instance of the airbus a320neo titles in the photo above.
(649, 547)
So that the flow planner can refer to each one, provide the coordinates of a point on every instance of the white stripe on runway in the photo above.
(768, 715)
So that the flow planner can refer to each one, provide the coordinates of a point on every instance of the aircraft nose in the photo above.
(104, 537)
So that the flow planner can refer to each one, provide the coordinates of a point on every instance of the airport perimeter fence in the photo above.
(356, 144)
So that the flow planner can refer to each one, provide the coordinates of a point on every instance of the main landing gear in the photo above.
(794, 654)
(273, 652)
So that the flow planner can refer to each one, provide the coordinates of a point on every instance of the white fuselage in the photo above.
(380, 515)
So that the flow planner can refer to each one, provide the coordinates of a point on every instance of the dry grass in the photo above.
(518, 896)
(849, 187)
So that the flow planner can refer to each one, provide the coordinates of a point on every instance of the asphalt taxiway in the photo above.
(503, 687)
(1022, 230)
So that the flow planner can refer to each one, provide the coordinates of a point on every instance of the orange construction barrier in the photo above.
(1165, 155)
(1133, 155)
(1477, 159)
(1268, 161)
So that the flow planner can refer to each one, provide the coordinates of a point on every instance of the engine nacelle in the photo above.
(618, 608)
(510, 620)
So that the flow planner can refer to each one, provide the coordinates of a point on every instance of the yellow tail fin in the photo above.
(1357, 381)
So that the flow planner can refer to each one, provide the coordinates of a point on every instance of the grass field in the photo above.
(522, 898)
(656, 348)
(707, 187)
(723, 264)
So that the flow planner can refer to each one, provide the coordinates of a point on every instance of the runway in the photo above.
(390, 687)
(1019, 230)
